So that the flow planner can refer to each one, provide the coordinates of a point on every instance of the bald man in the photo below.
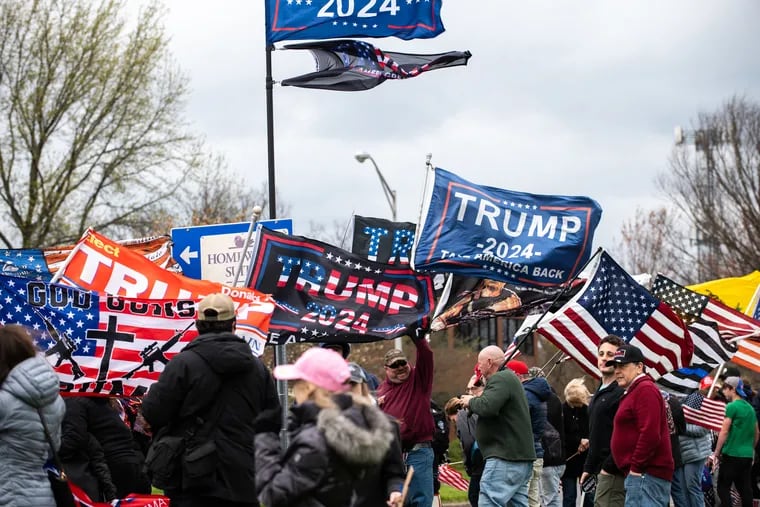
(503, 433)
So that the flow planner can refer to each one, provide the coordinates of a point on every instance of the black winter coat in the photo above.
(556, 418)
(329, 454)
(215, 379)
(601, 414)
(576, 428)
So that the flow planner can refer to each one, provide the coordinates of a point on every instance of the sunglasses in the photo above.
(396, 364)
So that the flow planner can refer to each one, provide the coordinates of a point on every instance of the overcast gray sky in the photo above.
(560, 97)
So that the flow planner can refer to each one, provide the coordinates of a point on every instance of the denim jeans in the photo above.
(692, 474)
(549, 486)
(646, 491)
(678, 488)
(505, 481)
(421, 486)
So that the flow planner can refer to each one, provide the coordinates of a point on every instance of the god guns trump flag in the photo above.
(99, 264)
(324, 293)
(98, 344)
(488, 232)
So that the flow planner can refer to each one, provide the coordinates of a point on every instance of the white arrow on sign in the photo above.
(188, 254)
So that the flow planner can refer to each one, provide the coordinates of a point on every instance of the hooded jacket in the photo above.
(330, 450)
(30, 385)
(537, 391)
(215, 383)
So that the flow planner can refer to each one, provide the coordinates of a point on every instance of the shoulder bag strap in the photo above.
(56, 458)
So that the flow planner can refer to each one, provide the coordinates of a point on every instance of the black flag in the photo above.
(349, 65)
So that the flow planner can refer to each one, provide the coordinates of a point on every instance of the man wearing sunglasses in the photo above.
(405, 394)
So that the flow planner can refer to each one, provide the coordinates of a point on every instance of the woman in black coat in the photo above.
(575, 414)
(334, 439)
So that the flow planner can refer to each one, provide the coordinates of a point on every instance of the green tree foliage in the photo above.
(91, 127)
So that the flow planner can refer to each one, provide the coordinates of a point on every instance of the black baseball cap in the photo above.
(730, 371)
(626, 354)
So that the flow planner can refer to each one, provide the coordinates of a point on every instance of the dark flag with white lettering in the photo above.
(516, 237)
(381, 240)
(323, 293)
(351, 65)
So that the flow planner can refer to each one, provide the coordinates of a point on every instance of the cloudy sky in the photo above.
(559, 97)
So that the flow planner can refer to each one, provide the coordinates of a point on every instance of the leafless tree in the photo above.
(716, 184)
(713, 182)
(657, 241)
(91, 126)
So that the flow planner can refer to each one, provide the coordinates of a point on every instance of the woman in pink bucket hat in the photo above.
(334, 437)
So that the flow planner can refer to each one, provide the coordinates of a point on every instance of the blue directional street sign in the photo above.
(191, 243)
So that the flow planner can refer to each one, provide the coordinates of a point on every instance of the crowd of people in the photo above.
(211, 431)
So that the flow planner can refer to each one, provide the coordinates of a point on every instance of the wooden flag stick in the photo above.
(404, 491)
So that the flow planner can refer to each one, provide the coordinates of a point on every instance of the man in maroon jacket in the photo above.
(405, 394)
(641, 435)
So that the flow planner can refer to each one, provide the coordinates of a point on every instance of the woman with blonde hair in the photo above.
(575, 414)
(29, 403)
(334, 438)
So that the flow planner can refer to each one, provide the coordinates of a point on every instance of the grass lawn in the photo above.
(449, 494)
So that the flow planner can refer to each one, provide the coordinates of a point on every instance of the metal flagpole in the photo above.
(279, 350)
(255, 215)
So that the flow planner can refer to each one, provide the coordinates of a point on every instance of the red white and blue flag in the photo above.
(612, 302)
(702, 411)
(98, 344)
(452, 477)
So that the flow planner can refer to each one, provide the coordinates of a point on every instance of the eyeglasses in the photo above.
(396, 364)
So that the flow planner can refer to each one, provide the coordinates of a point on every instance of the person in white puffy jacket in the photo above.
(27, 382)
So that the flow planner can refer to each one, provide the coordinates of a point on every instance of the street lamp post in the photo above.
(390, 195)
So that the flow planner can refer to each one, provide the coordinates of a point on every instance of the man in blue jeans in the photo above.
(405, 394)
(503, 432)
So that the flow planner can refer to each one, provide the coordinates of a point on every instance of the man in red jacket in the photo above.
(641, 435)
(405, 394)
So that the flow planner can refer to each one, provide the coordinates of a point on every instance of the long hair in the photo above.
(15, 346)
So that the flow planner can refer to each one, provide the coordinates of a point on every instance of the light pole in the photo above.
(390, 195)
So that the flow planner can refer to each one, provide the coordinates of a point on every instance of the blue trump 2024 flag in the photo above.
(488, 232)
(331, 19)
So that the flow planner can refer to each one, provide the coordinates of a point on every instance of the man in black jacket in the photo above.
(610, 491)
(211, 393)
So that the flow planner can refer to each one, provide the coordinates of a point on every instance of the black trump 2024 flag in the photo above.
(350, 65)
(325, 294)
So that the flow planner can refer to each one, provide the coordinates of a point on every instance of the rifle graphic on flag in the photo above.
(154, 352)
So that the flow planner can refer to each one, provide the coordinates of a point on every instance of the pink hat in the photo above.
(322, 367)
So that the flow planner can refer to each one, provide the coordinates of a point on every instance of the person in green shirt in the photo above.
(736, 444)
(503, 433)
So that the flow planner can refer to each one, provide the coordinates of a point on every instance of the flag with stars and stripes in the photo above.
(98, 344)
(331, 19)
(731, 323)
(381, 240)
(702, 411)
(323, 293)
(612, 302)
(453, 477)
(710, 350)
(350, 65)
(690, 304)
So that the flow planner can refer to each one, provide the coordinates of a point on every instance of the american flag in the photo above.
(710, 350)
(511, 352)
(95, 343)
(703, 411)
(612, 302)
(25, 263)
(688, 303)
(451, 476)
